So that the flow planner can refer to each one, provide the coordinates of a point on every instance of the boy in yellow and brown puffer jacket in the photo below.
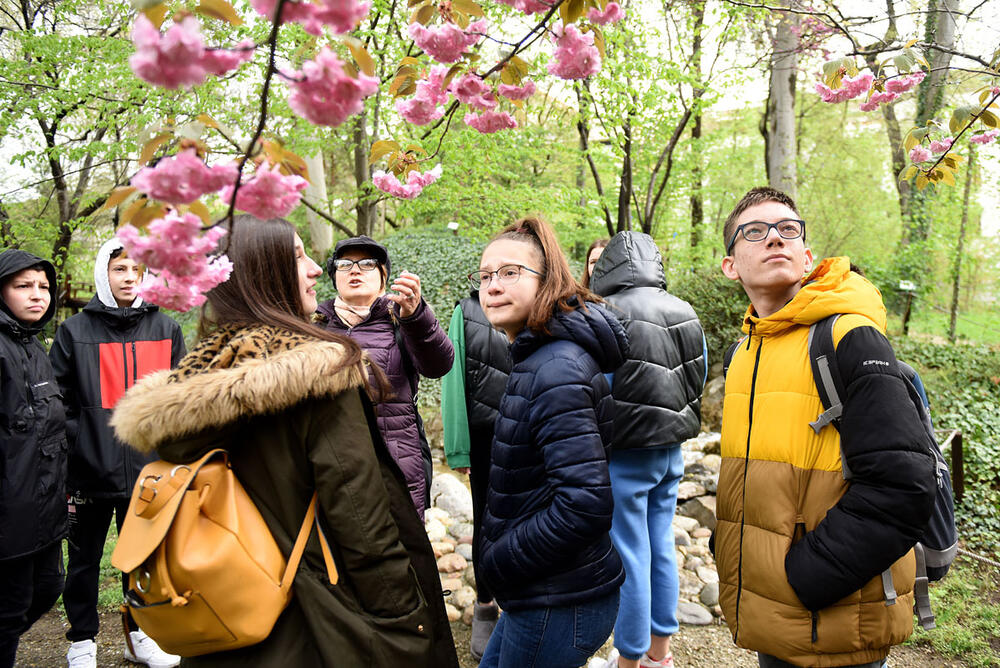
(800, 550)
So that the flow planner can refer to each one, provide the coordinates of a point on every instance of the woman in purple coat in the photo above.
(401, 336)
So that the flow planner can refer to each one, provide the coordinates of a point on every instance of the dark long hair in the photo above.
(264, 286)
(598, 243)
(557, 287)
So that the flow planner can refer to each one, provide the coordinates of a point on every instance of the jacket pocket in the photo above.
(52, 466)
(399, 640)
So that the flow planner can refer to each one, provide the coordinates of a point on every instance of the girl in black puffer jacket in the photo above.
(545, 549)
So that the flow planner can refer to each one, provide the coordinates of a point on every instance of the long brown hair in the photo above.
(557, 287)
(264, 286)
(598, 243)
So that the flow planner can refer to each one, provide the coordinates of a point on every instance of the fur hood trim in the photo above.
(159, 409)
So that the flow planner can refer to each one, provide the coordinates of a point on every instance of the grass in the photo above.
(966, 604)
(980, 326)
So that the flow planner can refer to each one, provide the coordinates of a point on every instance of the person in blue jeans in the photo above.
(545, 551)
(657, 393)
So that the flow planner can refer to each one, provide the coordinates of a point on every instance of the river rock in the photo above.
(693, 613)
(688, 524)
(438, 514)
(461, 529)
(710, 595)
(442, 548)
(465, 550)
(436, 532)
(452, 563)
(681, 538)
(690, 585)
(689, 490)
(449, 494)
(463, 597)
(708, 574)
(454, 614)
(701, 509)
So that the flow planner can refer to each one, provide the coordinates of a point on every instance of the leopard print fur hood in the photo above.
(234, 373)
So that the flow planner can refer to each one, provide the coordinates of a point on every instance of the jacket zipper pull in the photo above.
(815, 623)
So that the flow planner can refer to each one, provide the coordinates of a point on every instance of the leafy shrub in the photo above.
(720, 304)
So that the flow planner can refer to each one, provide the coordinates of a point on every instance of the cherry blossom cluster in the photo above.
(339, 15)
(612, 14)
(489, 122)
(527, 6)
(850, 88)
(416, 181)
(576, 57)
(426, 105)
(323, 93)
(177, 255)
(447, 42)
(269, 194)
(178, 57)
(985, 137)
(183, 178)
(919, 154)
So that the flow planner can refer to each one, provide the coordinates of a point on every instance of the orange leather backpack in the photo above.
(204, 572)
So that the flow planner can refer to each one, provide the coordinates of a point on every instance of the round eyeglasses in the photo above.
(506, 275)
(366, 264)
(757, 230)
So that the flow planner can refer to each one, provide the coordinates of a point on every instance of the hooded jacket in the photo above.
(97, 355)
(32, 427)
(658, 389)
(800, 549)
(428, 353)
(294, 420)
(548, 510)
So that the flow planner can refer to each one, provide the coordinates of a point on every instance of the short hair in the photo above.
(598, 243)
(118, 252)
(756, 196)
(38, 266)
(556, 285)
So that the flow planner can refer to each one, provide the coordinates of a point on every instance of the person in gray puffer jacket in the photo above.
(403, 339)
(657, 393)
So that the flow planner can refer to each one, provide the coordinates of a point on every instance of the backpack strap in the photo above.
(727, 357)
(300, 545)
(888, 588)
(826, 374)
(921, 596)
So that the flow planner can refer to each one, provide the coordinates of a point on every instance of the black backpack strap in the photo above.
(826, 374)
(727, 358)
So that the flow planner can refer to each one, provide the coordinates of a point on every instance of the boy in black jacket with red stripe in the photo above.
(97, 355)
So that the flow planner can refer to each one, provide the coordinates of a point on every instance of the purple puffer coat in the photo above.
(431, 354)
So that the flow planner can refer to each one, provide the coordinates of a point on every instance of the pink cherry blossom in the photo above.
(419, 111)
(269, 194)
(325, 94)
(919, 154)
(878, 98)
(173, 243)
(183, 178)
(850, 88)
(181, 293)
(489, 122)
(446, 43)
(941, 146)
(470, 89)
(220, 61)
(522, 92)
(415, 182)
(169, 60)
(528, 6)
(986, 137)
(576, 57)
(433, 88)
(904, 83)
(339, 15)
(612, 14)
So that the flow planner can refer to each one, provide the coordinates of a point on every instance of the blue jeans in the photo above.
(557, 637)
(644, 485)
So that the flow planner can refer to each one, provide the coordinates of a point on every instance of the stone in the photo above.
(708, 574)
(450, 583)
(691, 613)
(699, 551)
(465, 540)
(452, 563)
(454, 614)
(467, 615)
(465, 550)
(438, 514)
(712, 441)
(436, 532)
(702, 532)
(709, 595)
(463, 597)
(712, 462)
(711, 403)
(449, 494)
(461, 530)
(717, 611)
(690, 585)
(694, 563)
(681, 538)
(442, 548)
(689, 490)
(701, 509)
(470, 575)
(689, 524)
(691, 457)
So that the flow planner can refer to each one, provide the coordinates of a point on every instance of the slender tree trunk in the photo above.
(7, 239)
(320, 231)
(625, 187)
(697, 208)
(366, 211)
(583, 129)
(781, 144)
(956, 267)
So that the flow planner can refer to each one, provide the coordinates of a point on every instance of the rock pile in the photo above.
(449, 527)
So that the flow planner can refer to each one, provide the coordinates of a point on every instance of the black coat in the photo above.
(658, 389)
(32, 428)
(97, 355)
(545, 535)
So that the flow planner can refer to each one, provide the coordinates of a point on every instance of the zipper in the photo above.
(135, 367)
(815, 623)
(746, 465)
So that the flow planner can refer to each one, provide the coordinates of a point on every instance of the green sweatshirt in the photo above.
(454, 411)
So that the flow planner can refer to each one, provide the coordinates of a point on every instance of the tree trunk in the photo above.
(956, 267)
(781, 145)
(583, 129)
(366, 210)
(697, 208)
(625, 187)
(315, 193)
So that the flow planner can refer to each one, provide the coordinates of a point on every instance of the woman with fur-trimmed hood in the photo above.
(287, 400)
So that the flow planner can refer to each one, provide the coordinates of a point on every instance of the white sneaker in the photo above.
(143, 649)
(82, 654)
(610, 662)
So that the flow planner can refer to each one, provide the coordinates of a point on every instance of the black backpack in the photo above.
(938, 546)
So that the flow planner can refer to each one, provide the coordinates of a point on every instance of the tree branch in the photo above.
(328, 218)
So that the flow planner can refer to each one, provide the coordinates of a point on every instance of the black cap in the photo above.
(362, 242)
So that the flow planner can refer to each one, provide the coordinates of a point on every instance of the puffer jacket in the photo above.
(548, 510)
(800, 549)
(97, 355)
(430, 354)
(658, 389)
(294, 420)
(32, 428)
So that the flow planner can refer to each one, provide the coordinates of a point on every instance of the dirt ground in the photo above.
(44, 646)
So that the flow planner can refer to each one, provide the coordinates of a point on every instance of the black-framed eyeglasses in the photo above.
(506, 275)
(757, 230)
(365, 264)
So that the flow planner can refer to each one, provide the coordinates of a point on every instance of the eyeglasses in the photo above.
(757, 230)
(367, 264)
(506, 275)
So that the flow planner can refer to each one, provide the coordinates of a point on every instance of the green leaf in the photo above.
(219, 9)
(423, 14)
(381, 149)
(989, 119)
